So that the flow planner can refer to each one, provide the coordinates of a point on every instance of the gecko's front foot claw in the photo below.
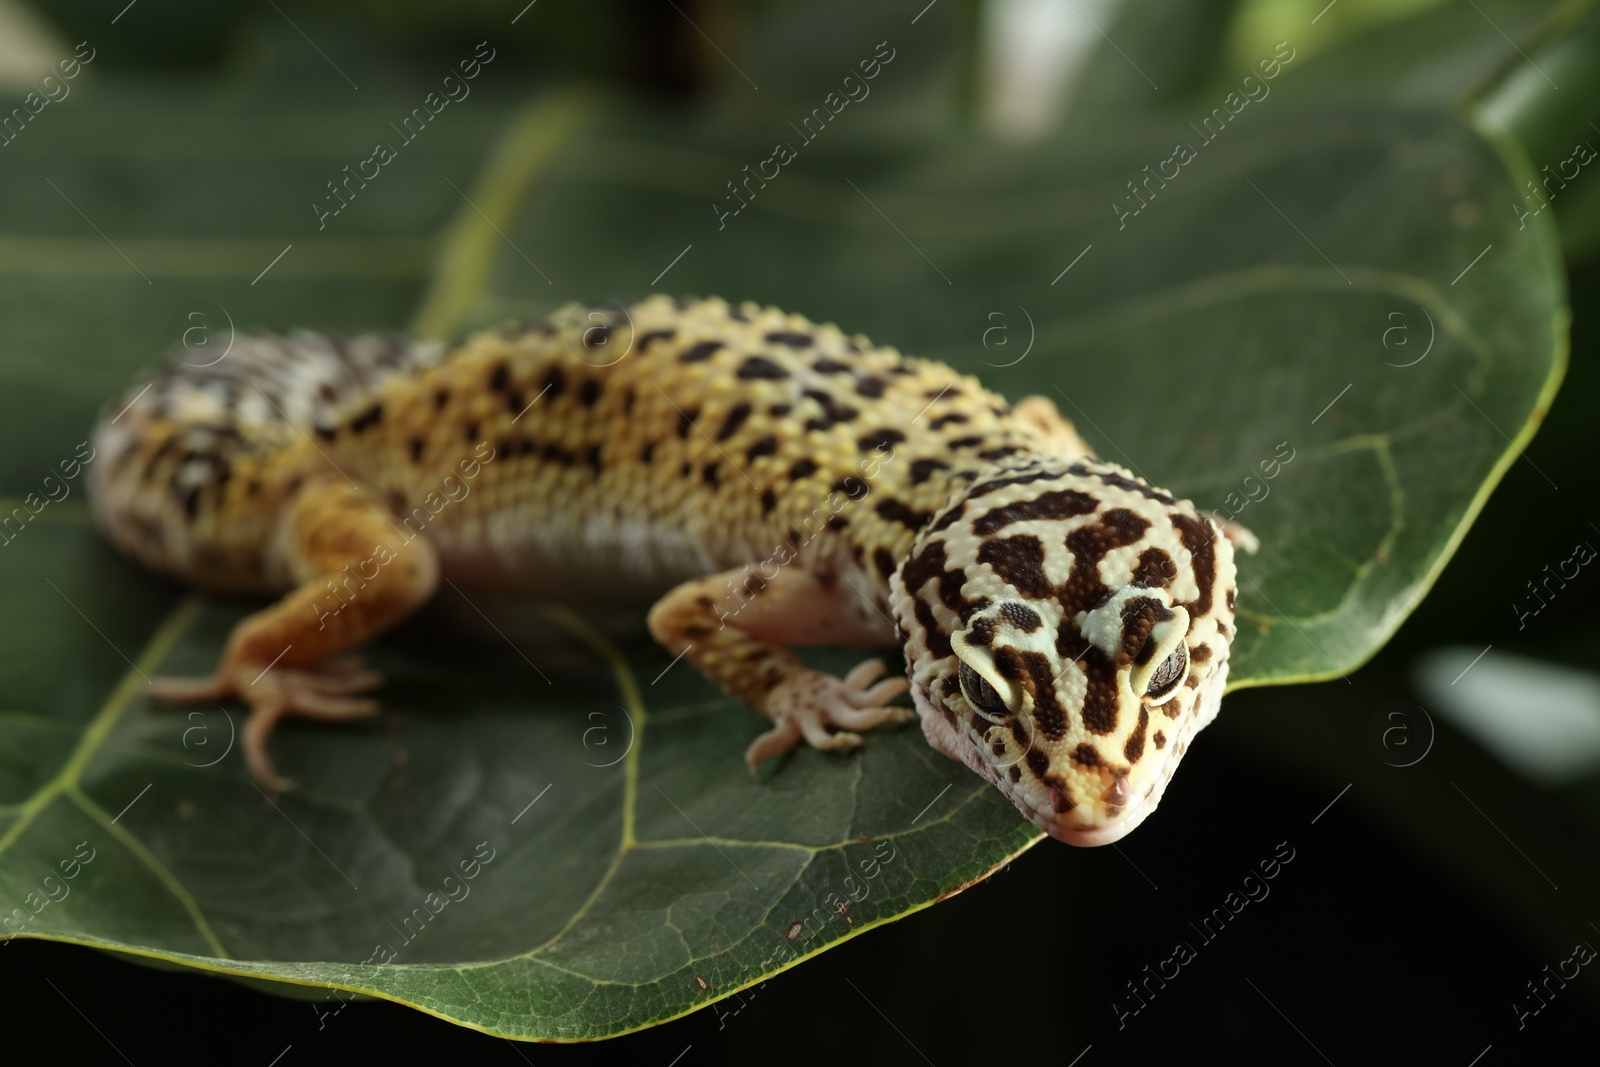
(274, 693)
(810, 702)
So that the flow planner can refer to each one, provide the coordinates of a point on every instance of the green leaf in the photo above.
(634, 871)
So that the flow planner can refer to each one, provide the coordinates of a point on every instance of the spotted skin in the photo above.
(759, 480)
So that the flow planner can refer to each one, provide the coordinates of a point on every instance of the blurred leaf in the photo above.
(637, 871)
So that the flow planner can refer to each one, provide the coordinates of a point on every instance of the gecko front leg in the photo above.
(284, 660)
(735, 626)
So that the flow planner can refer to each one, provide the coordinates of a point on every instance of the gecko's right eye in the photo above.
(980, 694)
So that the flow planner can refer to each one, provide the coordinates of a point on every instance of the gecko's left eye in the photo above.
(980, 694)
(1168, 676)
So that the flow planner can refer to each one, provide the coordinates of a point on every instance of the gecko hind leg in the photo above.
(284, 661)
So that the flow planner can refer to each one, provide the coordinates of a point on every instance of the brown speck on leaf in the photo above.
(701, 982)
(794, 930)
(843, 908)
(399, 756)
(186, 809)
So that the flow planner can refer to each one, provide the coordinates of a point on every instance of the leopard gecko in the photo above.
(757, 480)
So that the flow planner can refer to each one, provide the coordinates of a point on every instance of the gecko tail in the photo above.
(192, 465)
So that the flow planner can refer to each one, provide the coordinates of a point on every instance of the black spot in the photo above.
(1134, 749)
(417, 447)
(738, 314)
(647, 453)
(710, 475)
(790, 338)
(647, 339)
(472, 433)
(852, 487)
(514, 402)
(686, 420)
(683, 471)
(803, 468)
(327, 433)
(1032, 670)
(1199, 538)
(500, 377)
(830, 366)
(627, 401)
(369, 418)
(778, 411)
(554, 382)
(944, 420)
(949, 518)
(769, 500)
(884, 561)
(700, 352)
(589, 392)
(763, 446)
(992, 454)
(553, 453)
(881, 440)
(922, 469)
(982, 632)
(897, 511)
(965, 442)
(838, 523)
(761, 367)
(591, 456)
(1057, 504)
(1085, 755)
(833, 412)
(736, 416)
(871, 387)
(441, 397)
(1155, 570)
(1018, 560)
(938, 640)
(596, 336)
(1021, 616)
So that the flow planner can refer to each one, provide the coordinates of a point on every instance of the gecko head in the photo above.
(1066, 631)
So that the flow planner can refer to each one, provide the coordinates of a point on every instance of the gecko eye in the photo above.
(980, 694)
(1168, 676)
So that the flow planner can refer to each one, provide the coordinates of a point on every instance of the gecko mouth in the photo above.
(1070, 826)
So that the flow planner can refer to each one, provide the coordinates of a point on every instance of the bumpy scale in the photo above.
(765, 481)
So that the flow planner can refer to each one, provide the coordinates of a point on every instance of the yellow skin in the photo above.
(765, 481)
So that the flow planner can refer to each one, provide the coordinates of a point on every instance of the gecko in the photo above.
(752, 481)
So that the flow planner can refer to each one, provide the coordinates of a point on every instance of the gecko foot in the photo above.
(274, 693)
(810, 702)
